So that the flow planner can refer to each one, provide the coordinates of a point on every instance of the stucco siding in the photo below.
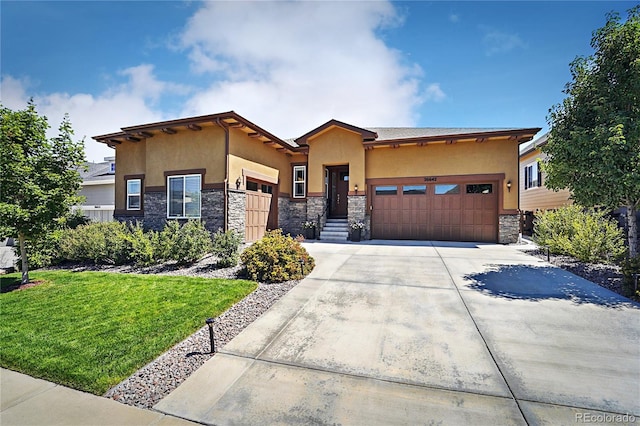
(335, 147)
(188, 149)
(130, 160)
(440, 159)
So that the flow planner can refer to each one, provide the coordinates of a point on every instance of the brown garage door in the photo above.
(257, 215)
(442, 211)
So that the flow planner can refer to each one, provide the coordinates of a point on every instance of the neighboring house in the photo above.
(534, 195)
(98, 188)
(403, 183)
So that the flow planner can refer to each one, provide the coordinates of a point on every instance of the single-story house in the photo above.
(403, 183)
(98, 188)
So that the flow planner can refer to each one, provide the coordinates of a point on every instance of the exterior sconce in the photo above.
(238, 182)
(509, 186)
(356, 188)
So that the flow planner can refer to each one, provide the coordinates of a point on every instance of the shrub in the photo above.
(585, 234)
(145, 246)
(277, 258)
(42, 252)
(100, 243)
(226, 247)
(186, 243)
(630, 267)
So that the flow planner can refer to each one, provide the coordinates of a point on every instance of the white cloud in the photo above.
(454, 18)
(496, 42)
(290, 66)
(434, 93)
(125, 104)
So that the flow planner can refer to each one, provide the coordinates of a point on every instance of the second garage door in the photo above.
(442, 211)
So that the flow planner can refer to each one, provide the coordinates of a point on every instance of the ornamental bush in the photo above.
(276, 258)
(184, 244)
(145, 246)
(226, 247)
(586, 234)
(100, 243)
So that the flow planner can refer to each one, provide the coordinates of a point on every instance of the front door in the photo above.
(338, 191)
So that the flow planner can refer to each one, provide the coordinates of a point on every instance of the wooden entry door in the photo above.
(338, 191)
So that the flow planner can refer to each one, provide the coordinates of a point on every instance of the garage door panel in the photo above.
(436, 211)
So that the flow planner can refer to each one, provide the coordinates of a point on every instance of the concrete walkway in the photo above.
(425, 333)
(28, 401)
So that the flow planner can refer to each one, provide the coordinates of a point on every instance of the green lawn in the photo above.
(91, 330)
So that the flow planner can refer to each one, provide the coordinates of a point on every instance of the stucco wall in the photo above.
(335, 147)
(185, 150)
(130, 160)
(439, 159)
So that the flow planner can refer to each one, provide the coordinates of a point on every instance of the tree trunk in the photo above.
(23, 258)
(632, 230)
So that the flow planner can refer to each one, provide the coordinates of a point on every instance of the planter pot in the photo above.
(356, 234)
(309, 233)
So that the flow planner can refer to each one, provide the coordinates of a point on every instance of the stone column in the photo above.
(291, 215)
(356, 211)
(237, 208)
(315, 207)
(508, 228)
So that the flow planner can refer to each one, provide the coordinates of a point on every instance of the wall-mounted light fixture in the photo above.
(238, 182)
(509, 186)
(356, 188)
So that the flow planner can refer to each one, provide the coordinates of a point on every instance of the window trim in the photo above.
(303, 181)
(529, 182)
(139, 194)
(184, 193)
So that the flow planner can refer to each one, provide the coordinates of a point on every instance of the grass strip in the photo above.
(91, 330)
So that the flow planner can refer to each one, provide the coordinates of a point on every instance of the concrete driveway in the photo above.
(422, 333)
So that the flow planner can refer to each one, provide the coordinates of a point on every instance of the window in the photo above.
(386, 190)
(447, 189)
(414, 189)
(299, 181)
(480, 188)
(532, 176)
(252, 186)
(133, 194)
(183, 194)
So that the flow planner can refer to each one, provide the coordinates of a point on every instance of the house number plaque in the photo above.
(430, 179)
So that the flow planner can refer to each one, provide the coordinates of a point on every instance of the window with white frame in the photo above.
(183, 196)
(134, 187)
(532, 176)
(299, 181)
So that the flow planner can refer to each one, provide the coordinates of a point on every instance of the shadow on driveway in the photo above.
(536, 283)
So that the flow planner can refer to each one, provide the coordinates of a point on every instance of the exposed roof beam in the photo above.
(451, 141)
(481, 140)
(236, 125)
(254, 135)
(133, 139)
(194, 127)
(269, 142)
(114, 141)
(145, 134)
(169, 130)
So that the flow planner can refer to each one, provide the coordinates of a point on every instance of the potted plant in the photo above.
(309, 229)
(356, 230)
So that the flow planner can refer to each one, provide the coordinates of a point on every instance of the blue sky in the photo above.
(291, 66)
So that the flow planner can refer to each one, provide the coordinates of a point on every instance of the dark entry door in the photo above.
(338, 191)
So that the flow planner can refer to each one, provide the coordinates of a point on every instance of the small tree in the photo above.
(39, 178)
(594, 142)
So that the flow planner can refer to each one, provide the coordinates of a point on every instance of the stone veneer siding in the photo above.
(508, 228)
(237, 211)
(155, 210)
(315, 207)
(291, 215)
(356, 211)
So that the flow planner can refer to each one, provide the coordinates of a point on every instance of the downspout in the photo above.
(226, 174)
